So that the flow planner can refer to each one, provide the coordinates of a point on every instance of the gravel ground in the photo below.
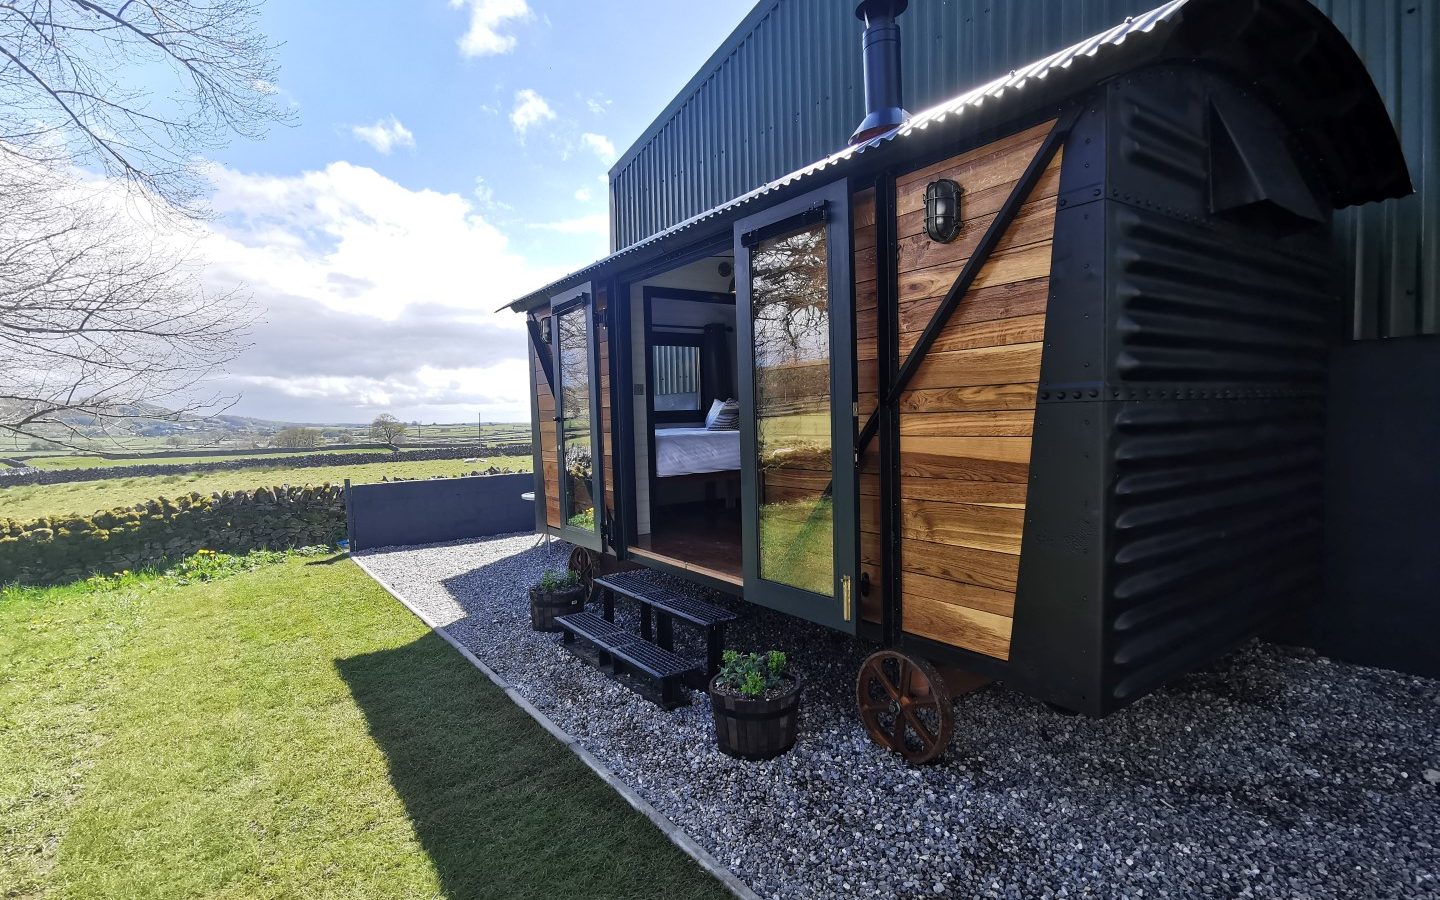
(1273, 773)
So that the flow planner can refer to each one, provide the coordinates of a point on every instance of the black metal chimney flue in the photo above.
(881, 45)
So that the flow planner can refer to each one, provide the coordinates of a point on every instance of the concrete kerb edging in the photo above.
(672, 831)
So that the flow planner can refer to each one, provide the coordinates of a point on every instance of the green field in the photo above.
(85, 497)
(288, 730)
(414, 437)
(88, 461)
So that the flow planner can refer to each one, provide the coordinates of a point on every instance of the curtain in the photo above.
(715, 364)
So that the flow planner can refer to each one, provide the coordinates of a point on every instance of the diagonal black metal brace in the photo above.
(543, 352)
(988, 242)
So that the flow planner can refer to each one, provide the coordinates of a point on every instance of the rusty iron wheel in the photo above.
(905, 705)
(583, 563)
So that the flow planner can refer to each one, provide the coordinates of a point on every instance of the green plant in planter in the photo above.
(752, 674)
(551, 582)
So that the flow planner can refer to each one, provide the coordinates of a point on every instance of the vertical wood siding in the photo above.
(862, 213)
(549, 457)
(607, 449)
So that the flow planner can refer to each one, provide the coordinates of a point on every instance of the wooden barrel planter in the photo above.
(756, 729)
(546, 605)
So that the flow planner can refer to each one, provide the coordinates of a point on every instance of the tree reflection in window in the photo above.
(577, 456)
(790, 309)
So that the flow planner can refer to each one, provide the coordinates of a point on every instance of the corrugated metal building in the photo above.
(786, 89)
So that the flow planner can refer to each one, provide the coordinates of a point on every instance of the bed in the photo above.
(695, 451)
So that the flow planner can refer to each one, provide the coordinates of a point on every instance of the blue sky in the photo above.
(442, 162)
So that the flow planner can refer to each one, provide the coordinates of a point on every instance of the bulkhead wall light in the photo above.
(942, 210)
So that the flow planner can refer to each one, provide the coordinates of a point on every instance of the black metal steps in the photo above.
(623, 650)
(667, 604)
(681, 606)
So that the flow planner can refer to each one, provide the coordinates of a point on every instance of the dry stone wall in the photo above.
(12, 477)
(52, 550)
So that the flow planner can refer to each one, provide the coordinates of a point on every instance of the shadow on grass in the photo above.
(500, 806)
(329, 560)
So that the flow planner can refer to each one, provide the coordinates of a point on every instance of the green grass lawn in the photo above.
(30, 501)
(288, 731)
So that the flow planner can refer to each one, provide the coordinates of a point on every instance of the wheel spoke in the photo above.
(914, 696)
(878, 673)
(926, 737)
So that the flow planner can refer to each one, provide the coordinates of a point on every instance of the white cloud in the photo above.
(584, 195)
(385, 135)
(600, 145)
(374, 296)
(488, 18)
(596, 223)
(597, 105)
(485, 196)
(530, 110)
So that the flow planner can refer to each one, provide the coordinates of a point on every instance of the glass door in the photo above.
(576, 417)
(795, 320)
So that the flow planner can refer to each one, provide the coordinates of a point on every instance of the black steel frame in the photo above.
(542, 350)
(619, 316)
(830, 205)
(591, 540)
(649, 294)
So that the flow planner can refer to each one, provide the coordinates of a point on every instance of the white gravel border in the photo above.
(677, 837)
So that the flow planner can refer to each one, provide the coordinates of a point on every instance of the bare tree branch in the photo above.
(103, 315)
(79, 83)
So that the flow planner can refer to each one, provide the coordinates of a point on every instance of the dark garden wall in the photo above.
(57, 549)
(311, 461)
(1381, 605)
(405, 513)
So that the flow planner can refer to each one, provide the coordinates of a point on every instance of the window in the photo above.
(577, 444)
(677, 379)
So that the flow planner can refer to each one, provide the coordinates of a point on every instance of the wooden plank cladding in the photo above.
(549, 455)
(601, 337)
(966, 420)
(862, 211)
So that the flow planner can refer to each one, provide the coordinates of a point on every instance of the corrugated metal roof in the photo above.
(1001, 91)
(1371, 161)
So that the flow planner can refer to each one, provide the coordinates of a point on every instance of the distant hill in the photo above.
(148, 427)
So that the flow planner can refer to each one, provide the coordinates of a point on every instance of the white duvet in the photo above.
(693, 451)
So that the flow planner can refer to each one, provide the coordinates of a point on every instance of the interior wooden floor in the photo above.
(704, 541)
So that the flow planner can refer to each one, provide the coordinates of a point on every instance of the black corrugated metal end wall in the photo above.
(786, 89)
(1175, 500)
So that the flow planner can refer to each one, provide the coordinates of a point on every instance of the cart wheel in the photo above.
(583, 563)
(905, 705)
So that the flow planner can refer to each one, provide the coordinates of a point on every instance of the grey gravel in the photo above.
(1273, 773)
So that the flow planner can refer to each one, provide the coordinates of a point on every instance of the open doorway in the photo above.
(687, 419)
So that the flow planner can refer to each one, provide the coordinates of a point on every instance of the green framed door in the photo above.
(795, 323)
(577, 422)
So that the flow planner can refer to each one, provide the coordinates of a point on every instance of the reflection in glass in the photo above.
(578, 460)
(790, 305)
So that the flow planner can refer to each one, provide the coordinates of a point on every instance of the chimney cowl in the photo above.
(880, 46)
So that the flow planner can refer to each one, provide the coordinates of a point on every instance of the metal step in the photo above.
(631, 649)
(681, 606)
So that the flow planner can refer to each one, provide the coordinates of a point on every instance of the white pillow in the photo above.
(715, 409)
